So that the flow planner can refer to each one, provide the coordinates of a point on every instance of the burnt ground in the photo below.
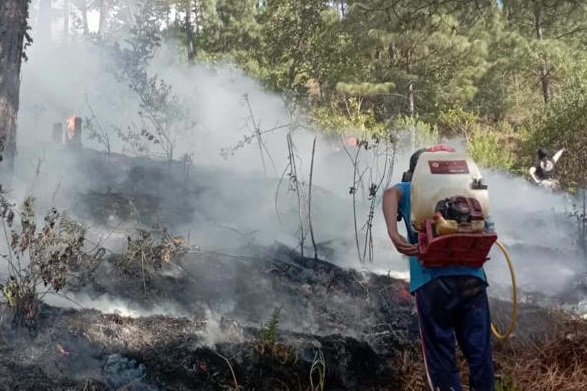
(360, 326)
(337, 329)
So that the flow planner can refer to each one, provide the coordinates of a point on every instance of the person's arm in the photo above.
(558, 155)
(532, 172)
(390, 203)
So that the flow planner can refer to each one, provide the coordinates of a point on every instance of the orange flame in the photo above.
(352, 141)
(70, 127)
(70, 122)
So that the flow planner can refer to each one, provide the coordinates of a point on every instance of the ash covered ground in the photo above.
(252, 316)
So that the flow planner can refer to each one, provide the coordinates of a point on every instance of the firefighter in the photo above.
(543, 171)
(451, 302)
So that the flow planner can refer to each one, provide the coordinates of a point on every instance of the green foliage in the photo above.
(292, 32)
(487, 149)
(161, 115)
(564, 125)
(488, 146)
(456, 122)
(364, 89)
(420, 134)
(269, 332)
(456, 69)
(350, 118)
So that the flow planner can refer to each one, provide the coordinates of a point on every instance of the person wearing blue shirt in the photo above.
(451, 303)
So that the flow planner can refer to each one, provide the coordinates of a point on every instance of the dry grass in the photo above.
(560, 363)
(557, 363)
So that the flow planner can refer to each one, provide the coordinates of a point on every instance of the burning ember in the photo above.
(62, 350)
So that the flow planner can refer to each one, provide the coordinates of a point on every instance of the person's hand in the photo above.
(403, 246)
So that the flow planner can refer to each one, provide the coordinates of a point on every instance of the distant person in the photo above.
(451, 301)
(543, 171)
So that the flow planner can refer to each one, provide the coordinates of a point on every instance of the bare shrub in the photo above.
(39, 259)
(148, 250)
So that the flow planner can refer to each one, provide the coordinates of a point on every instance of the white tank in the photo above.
(441, 175)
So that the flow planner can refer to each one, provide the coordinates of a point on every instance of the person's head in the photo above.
(542, 153)
(407, 177)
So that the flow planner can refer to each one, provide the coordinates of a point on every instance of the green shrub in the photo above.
(486, 148)
(456, 122)
(420, 134)
(348, 116)
(269, 332)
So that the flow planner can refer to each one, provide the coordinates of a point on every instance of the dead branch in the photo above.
(310, 200)
(236, 386)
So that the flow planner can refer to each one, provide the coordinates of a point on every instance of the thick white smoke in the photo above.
(241, 201)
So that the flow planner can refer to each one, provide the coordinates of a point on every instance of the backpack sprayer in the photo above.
(449, 211)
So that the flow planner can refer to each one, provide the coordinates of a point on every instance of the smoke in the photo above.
(543, 239)
(107, 304)
(245, 194)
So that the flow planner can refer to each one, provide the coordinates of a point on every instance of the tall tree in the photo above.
(13, 35)
(420, 48)
(83, 5)
(291, 33)
(104, 8)
(229, 29)
(547, 24)
(189, 29)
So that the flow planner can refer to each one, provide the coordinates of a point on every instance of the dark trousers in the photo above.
(455, 309)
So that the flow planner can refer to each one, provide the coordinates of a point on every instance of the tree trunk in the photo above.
(84, 10)
(410, 94)
(65, 21)
(189, 30)
(197, 19)
(13, 25)
(103, 17)
(544, 72)
(411, 99)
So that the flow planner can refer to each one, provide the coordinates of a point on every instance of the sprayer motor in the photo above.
(460, 209)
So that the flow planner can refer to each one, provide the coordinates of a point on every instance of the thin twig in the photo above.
(103, 137)
(319, 365)
(143, 271)
(277, 193)
(9, 249)
(236, 386)
(257, 133)
(294, 178)
(353, 193)
(310, 200)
